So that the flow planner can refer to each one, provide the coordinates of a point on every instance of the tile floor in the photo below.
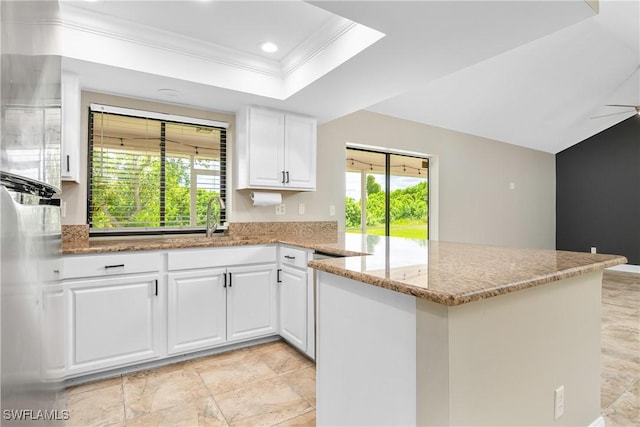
(273, 385)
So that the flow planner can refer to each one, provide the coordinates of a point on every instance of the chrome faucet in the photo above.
(212, 228)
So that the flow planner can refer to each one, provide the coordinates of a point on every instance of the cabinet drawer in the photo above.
(293, 257)
(221, 257)
(108, 265)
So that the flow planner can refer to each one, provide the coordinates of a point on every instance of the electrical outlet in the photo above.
(332, 210)
(512, 186)
(594, 250)
(300, 208)
(280, 209)
(558, 398)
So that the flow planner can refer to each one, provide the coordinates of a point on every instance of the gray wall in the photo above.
(598, 193)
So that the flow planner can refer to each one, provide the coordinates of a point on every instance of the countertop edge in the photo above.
(454, 299)
(150, 245)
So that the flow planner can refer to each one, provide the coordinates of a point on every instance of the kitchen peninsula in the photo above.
(435, 333)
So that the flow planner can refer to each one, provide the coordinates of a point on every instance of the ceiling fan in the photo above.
(637, 108)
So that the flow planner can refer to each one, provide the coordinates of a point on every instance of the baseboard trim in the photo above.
(599, 422)
(625, 268)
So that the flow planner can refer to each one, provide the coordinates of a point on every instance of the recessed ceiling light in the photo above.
(169, 92)
(268, 47)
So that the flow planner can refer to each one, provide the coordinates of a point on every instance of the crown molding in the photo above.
(132, 32)
(337, 40)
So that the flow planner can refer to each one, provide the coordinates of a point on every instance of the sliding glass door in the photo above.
(386, 194)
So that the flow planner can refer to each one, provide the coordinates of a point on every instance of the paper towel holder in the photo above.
(264, 198)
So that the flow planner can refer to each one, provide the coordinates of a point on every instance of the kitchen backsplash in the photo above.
(72, 234)
(289, 228)
(308, 229)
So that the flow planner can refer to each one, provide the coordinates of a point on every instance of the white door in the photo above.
(300, 152)
(196, 310)
(251, 302)
(266, 148)
(112, 322)
(293, 306)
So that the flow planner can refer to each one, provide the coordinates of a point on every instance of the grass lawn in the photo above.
(412, 231)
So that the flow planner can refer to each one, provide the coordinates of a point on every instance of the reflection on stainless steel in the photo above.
(31, 302)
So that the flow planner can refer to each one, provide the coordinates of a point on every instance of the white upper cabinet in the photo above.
(275, 150)
(70, 164)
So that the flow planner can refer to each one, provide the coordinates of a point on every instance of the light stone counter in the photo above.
(455, 273)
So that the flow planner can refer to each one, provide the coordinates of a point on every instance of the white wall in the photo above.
(471, 192)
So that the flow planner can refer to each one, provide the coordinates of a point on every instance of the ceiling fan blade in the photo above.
(610, 114)
(621, 105)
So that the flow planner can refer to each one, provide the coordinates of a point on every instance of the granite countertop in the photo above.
(443, 272)
(329, 243)
(455, 273)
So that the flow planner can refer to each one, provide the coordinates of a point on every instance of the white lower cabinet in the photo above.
(251, 302)
(296, 299)
(112, 322)
(122, 309)
(197, 310)
(227, 303)
(293, 306)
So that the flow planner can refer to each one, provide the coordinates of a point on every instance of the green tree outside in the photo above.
(125, 192)
(408, 211)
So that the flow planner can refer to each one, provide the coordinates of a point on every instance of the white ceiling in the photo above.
(526, 73)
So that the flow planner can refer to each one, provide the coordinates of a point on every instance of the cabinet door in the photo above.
(266, 148)
(300, 152)
(112, 322)
(70, 161)
(293, 306)
(251, 302)
(197, 310)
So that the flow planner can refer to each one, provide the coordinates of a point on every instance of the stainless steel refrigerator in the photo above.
(31, 303)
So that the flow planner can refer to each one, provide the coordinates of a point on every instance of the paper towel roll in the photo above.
(261, 198)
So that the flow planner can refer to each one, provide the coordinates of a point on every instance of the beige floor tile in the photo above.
(618, 347)
(98, 407)
(303, 382)
(208, 415)
(270, 346)
(625, 412)
(283, 358)
(304, 420)
(152, 391)
(222, 376)
(94, 385)
(613, 383)
(267, 402)
(218, 359)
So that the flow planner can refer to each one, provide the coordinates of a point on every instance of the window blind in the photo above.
(149, 173)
